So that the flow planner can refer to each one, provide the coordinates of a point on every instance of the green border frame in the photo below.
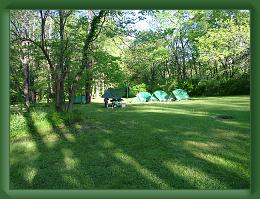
(6, 5)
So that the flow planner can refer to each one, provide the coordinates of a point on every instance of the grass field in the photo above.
(168, 145)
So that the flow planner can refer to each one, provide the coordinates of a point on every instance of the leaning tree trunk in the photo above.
(88, 85)
(90, 37)
(88, 92)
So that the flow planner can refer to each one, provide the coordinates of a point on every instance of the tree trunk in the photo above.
(60, 73)
(88, 93)
(103, 87)
(183, 61)
(26, 72)
(72, 92)
(32, 89)
(88, 84)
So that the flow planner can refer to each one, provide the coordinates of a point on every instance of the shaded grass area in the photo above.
(173, 145)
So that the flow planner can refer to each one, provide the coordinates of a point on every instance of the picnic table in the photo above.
(114, 103)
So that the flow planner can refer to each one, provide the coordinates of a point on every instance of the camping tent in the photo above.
(125, 92)
(153, 99)
(117, 93)
(112, 93)
(180, 94)
(160, 95)
(79, 100)
(142, 97)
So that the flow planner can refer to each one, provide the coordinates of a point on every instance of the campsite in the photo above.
(130, 99)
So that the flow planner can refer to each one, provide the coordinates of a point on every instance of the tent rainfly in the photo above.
(160, 95)
(117, 93)
(181, 94)
(111, 93)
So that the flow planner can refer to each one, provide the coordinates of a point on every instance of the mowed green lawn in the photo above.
(168, 145)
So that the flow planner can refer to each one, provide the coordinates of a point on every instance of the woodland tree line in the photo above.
(57, 54)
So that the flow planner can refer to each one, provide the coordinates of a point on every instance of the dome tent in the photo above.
(160, 96)
(153, 99)
(142, 97)
(180, 94)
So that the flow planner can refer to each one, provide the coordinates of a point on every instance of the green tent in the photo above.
(153, 99)
(125, 92)
(142, 97)
(180, 94)
(79, 100)
(117, 93)
(161, 95)
(112, 93)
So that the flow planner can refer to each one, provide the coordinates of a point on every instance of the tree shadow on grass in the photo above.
(135, 156)
(42, 163)
(72, 164)
(169, 152)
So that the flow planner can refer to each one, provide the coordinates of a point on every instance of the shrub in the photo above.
(213, 87)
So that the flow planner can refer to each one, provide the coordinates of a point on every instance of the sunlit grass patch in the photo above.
(225, 163)
(194, 176)
(139, 168)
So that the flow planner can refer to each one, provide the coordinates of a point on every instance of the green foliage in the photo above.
(213, 87)
(138, 88)
(193, 46)
(200, 51)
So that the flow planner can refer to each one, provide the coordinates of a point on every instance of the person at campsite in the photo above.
(115, 102)
(106, 102)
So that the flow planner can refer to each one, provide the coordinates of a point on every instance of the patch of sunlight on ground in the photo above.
(235, 123)
(43, 127)
(78, 126)
(193, 175)
(201, 145)
(41, 116)
(107, 144)
(71, 179)
(139, 168)
(23, 137)
(50, 140)
(29, 173)
(229, 135)
(155, 109)
(191, 133)
(228, 164)
(23, 154)
(161, 130)
(26, 146)
(69, 161)
(70, 137)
